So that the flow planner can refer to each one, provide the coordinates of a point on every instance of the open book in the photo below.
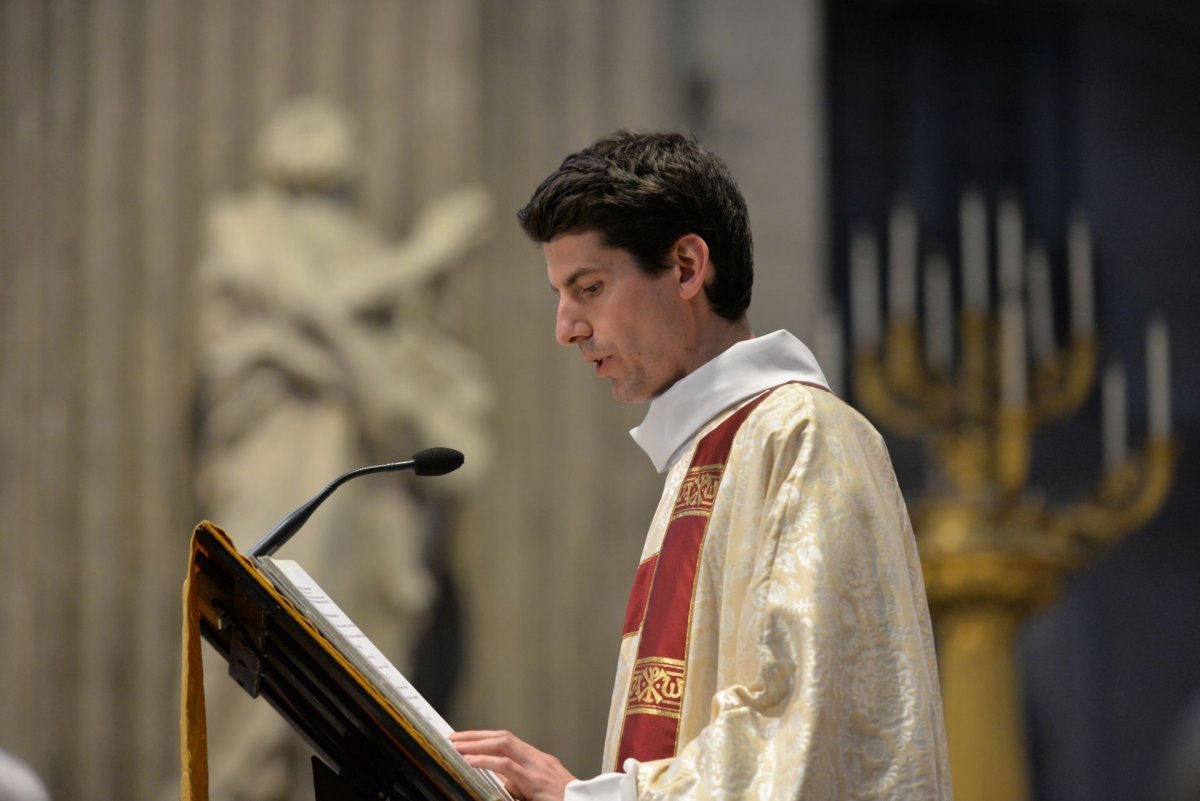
(295, 584)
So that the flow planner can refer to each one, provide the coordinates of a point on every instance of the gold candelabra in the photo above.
(993, 549)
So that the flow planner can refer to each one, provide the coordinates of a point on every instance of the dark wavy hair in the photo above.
(641, 191)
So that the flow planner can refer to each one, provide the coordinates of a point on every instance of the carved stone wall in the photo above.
(119, 120)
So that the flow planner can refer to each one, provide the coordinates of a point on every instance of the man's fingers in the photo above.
(509, 771)
(526, 771)
(476, 735)
(496, 764)
(487, 742)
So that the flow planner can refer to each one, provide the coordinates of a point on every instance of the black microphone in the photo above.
(429, 462)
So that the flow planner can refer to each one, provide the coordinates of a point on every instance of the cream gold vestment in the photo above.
(810, 665)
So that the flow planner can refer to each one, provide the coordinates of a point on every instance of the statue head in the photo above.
(309, 145)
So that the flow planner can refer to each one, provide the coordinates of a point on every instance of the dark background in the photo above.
(1091, 105)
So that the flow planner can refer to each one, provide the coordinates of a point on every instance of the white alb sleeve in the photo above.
(606, 786)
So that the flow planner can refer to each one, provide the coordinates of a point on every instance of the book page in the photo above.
(294, 582)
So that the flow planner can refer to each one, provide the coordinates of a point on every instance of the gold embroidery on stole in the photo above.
(698, 491)
(656, 687)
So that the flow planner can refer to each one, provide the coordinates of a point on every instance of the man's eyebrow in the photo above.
(574, 277)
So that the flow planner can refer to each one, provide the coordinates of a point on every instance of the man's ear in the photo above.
(690, 255)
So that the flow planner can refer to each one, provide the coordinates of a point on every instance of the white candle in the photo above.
(902, 262)
(828, 347)
(1010, 245)
(939, 311)
(864, 289)
(1114, 416)
(1158, 378)
(972, 221)
(1081, 274)
(1041, 311)
(1013, 377)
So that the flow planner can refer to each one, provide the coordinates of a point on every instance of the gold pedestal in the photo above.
(981, 696)
(986, 568)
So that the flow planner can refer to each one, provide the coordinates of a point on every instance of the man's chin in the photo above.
(621, 397)
(626, 394)
(630, 393)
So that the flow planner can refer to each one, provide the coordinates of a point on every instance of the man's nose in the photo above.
(569, 328)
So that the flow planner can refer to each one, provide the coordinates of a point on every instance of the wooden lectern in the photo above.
(367, 750)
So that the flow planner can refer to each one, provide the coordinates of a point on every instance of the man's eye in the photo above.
(591, 289)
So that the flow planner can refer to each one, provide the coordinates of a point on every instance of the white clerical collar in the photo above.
(740, 372)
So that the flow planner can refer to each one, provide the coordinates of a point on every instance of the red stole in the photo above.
(660, 603)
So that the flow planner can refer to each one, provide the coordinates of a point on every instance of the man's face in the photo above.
(632, 327)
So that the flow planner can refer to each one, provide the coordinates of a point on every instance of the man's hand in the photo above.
(527, 772)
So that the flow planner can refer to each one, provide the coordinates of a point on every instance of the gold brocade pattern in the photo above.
(698, 491)
(656, 687)
(810, 668)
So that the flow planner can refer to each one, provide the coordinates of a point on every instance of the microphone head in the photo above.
(436, 461)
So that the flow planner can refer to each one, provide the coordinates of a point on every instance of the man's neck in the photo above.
(718, 338)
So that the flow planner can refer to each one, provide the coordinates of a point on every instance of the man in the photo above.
(777, 640)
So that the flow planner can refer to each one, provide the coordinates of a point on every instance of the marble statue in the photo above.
(319, 353)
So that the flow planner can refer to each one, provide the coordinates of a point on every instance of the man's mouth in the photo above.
(598, 362)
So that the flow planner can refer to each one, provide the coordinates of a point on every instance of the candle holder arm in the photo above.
(1128, 497)
(1062, 384)
(873, 392)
